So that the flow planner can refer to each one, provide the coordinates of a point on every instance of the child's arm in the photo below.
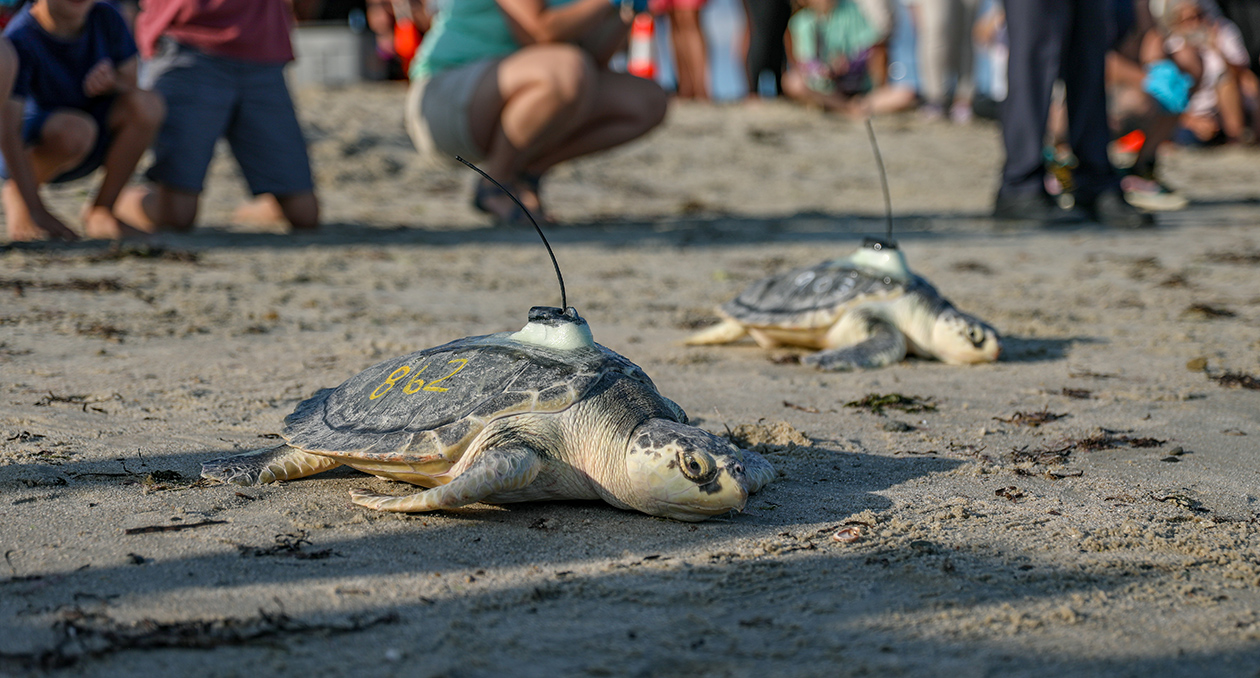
(106, 78)
(21, 172)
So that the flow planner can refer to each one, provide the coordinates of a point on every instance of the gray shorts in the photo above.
(437, 113)
(210, 97)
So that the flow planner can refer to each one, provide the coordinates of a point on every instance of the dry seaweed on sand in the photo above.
(101, 330)
(1013, 493)
(72, 285)
(119, 251)
(802, 408)
(1243, 258)
(1032, 419)
(876, 403)
(149, 529)
(1045, 456)
(1104, 439)
(972, 267)
(288, 546)
(1237, 380)
(1206, 312)
(83, 635)
(80, 400)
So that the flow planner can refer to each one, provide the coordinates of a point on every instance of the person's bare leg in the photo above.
(888, 99)
(690, 53)
(133, 120)
(17, 217)
(794, 87)
(262, 209)
(159, 208)
(65, 141)
(625, 108)
(301, 210)
(529, 101)
(1159, 128)
(1230, 107)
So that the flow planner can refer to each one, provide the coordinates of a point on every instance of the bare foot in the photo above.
(530, 194)
(100, 222)
(131, 208)
(533, 202)
(492, 200)
(262, 210)
(23, 225)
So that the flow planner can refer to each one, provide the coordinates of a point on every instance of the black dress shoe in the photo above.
(1036, 206)
(1109, 208)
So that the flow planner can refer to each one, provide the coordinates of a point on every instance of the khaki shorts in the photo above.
(437, 113)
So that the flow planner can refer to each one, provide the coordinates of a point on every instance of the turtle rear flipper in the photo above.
(883, 344)
(501, 469)
(266, 465)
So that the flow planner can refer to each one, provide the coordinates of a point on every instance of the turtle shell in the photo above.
(816, 296)
(430, 404)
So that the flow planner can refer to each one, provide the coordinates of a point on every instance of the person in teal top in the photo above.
(522, 85)
(838, 60)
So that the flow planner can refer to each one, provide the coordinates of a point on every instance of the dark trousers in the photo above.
(1050, 39)
(1246, 13)
(767, 22)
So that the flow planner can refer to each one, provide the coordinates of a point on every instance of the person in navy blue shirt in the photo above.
(75, 107)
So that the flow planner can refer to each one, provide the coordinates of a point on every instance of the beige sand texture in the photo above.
(1085, 506)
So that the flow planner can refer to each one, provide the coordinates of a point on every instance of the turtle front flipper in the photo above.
(496, 470)
(266, 465)
(722, 333)
(863, 340)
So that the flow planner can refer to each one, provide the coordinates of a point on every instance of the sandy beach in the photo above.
(1088, 505)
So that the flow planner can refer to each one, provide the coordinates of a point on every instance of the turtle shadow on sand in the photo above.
(820, 484)
(1017, 349)
(660, 591)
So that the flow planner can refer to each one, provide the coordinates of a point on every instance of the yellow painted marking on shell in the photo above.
(561, 337)
(417, 383)
(888, 261)
(460, 362)
(389, 382)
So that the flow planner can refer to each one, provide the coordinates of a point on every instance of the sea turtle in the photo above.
(865, 310)
(543, 413)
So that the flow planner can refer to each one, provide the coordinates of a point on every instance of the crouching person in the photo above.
(74, 107)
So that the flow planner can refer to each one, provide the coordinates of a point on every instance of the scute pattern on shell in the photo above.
(500, 378)
(816, 296)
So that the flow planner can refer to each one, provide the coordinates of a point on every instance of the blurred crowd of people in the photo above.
(1082, 87)
(1178, 72)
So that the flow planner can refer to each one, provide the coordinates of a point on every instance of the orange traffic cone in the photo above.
(640, 60)
(406, 34)
(406, 41)
(1131, 142)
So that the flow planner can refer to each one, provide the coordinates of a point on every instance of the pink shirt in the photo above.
(249, 30)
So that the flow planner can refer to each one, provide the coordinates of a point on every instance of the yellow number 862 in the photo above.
(416, 384)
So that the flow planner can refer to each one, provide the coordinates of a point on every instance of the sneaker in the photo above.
(1110, 209)
(1149, 194)
(931, 112)
(1037, 206)
(960, 113)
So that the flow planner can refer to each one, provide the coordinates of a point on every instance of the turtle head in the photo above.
(682, 472)
(961, 339)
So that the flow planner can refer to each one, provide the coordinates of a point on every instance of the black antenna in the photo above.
(564, 300)
(883, 177)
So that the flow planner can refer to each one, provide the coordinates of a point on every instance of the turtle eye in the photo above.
(697, 466)
(975, 333)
